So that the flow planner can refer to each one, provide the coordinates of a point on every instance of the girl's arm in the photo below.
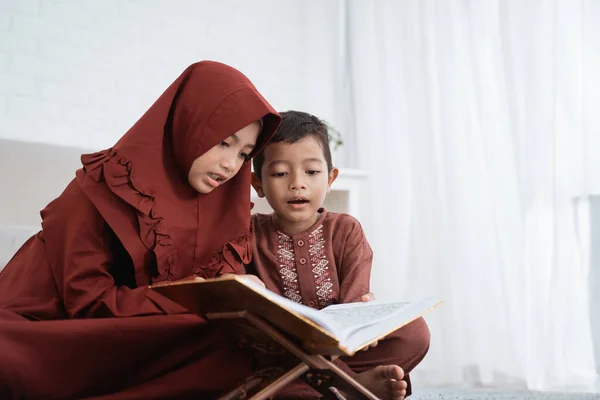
(80, 257)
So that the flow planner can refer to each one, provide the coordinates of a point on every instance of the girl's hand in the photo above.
(249, 277)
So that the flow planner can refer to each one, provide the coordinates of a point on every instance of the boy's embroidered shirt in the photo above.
(328, 263)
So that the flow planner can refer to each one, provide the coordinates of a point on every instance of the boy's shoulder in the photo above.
(256, 217)
(260, 221)
(342, 221)
(336, 216)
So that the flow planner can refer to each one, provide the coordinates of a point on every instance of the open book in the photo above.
(340, 329)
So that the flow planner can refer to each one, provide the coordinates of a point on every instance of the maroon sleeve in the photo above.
(80, 258)
(354, 259)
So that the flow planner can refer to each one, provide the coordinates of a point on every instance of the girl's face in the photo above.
(224, 160)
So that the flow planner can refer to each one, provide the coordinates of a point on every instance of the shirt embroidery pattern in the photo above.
(319, 262)
(287, 268)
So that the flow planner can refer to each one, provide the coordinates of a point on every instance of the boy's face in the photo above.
(224, 160)
(295, 182)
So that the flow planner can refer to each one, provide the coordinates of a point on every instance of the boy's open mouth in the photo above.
(298, 200)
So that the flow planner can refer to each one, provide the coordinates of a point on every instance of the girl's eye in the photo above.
(224, 144)
(245, 156)
(278, 174)
(312, 172)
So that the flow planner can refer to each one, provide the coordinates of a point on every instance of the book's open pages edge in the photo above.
(233, 293)
(317, 331)
(355, 337)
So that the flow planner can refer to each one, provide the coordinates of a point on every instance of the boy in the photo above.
(316, 257)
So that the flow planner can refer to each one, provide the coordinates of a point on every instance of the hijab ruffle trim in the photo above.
(109, 166)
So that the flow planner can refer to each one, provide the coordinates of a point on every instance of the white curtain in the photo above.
(479, 124)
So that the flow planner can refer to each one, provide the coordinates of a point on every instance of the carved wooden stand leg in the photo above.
(323, 375)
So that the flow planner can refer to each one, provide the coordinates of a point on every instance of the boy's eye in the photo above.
(224, 144)
(278, 174)
(245, 156)
(312, 172)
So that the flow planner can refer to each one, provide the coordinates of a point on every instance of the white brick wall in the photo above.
(76, 74)
(80, 72)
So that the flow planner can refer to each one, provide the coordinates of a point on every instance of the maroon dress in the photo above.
(76, 316)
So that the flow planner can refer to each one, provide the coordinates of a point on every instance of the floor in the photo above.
(488, 394)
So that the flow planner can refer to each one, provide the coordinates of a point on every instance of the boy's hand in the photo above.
(366, 298)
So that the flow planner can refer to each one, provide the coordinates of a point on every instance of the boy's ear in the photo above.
(332, 176)
(257, 185)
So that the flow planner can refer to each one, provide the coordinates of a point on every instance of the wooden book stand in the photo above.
(317, 370)
(262, 318)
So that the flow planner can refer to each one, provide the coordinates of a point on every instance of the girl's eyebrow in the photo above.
(237, 140)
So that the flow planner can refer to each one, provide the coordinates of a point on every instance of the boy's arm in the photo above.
(354, 263)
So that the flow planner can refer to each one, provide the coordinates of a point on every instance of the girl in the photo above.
(170, 201)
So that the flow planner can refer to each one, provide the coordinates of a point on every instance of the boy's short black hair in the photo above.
(295, 126)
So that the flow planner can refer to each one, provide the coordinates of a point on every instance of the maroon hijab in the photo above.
(140, 185)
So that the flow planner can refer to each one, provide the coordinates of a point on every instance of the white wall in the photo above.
(79, 73)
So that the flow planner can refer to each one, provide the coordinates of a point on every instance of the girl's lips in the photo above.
(212, 182)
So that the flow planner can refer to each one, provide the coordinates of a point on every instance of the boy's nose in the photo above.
(297, 183)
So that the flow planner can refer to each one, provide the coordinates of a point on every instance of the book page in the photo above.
(367, 322)
(316, 316)
(352, 316)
